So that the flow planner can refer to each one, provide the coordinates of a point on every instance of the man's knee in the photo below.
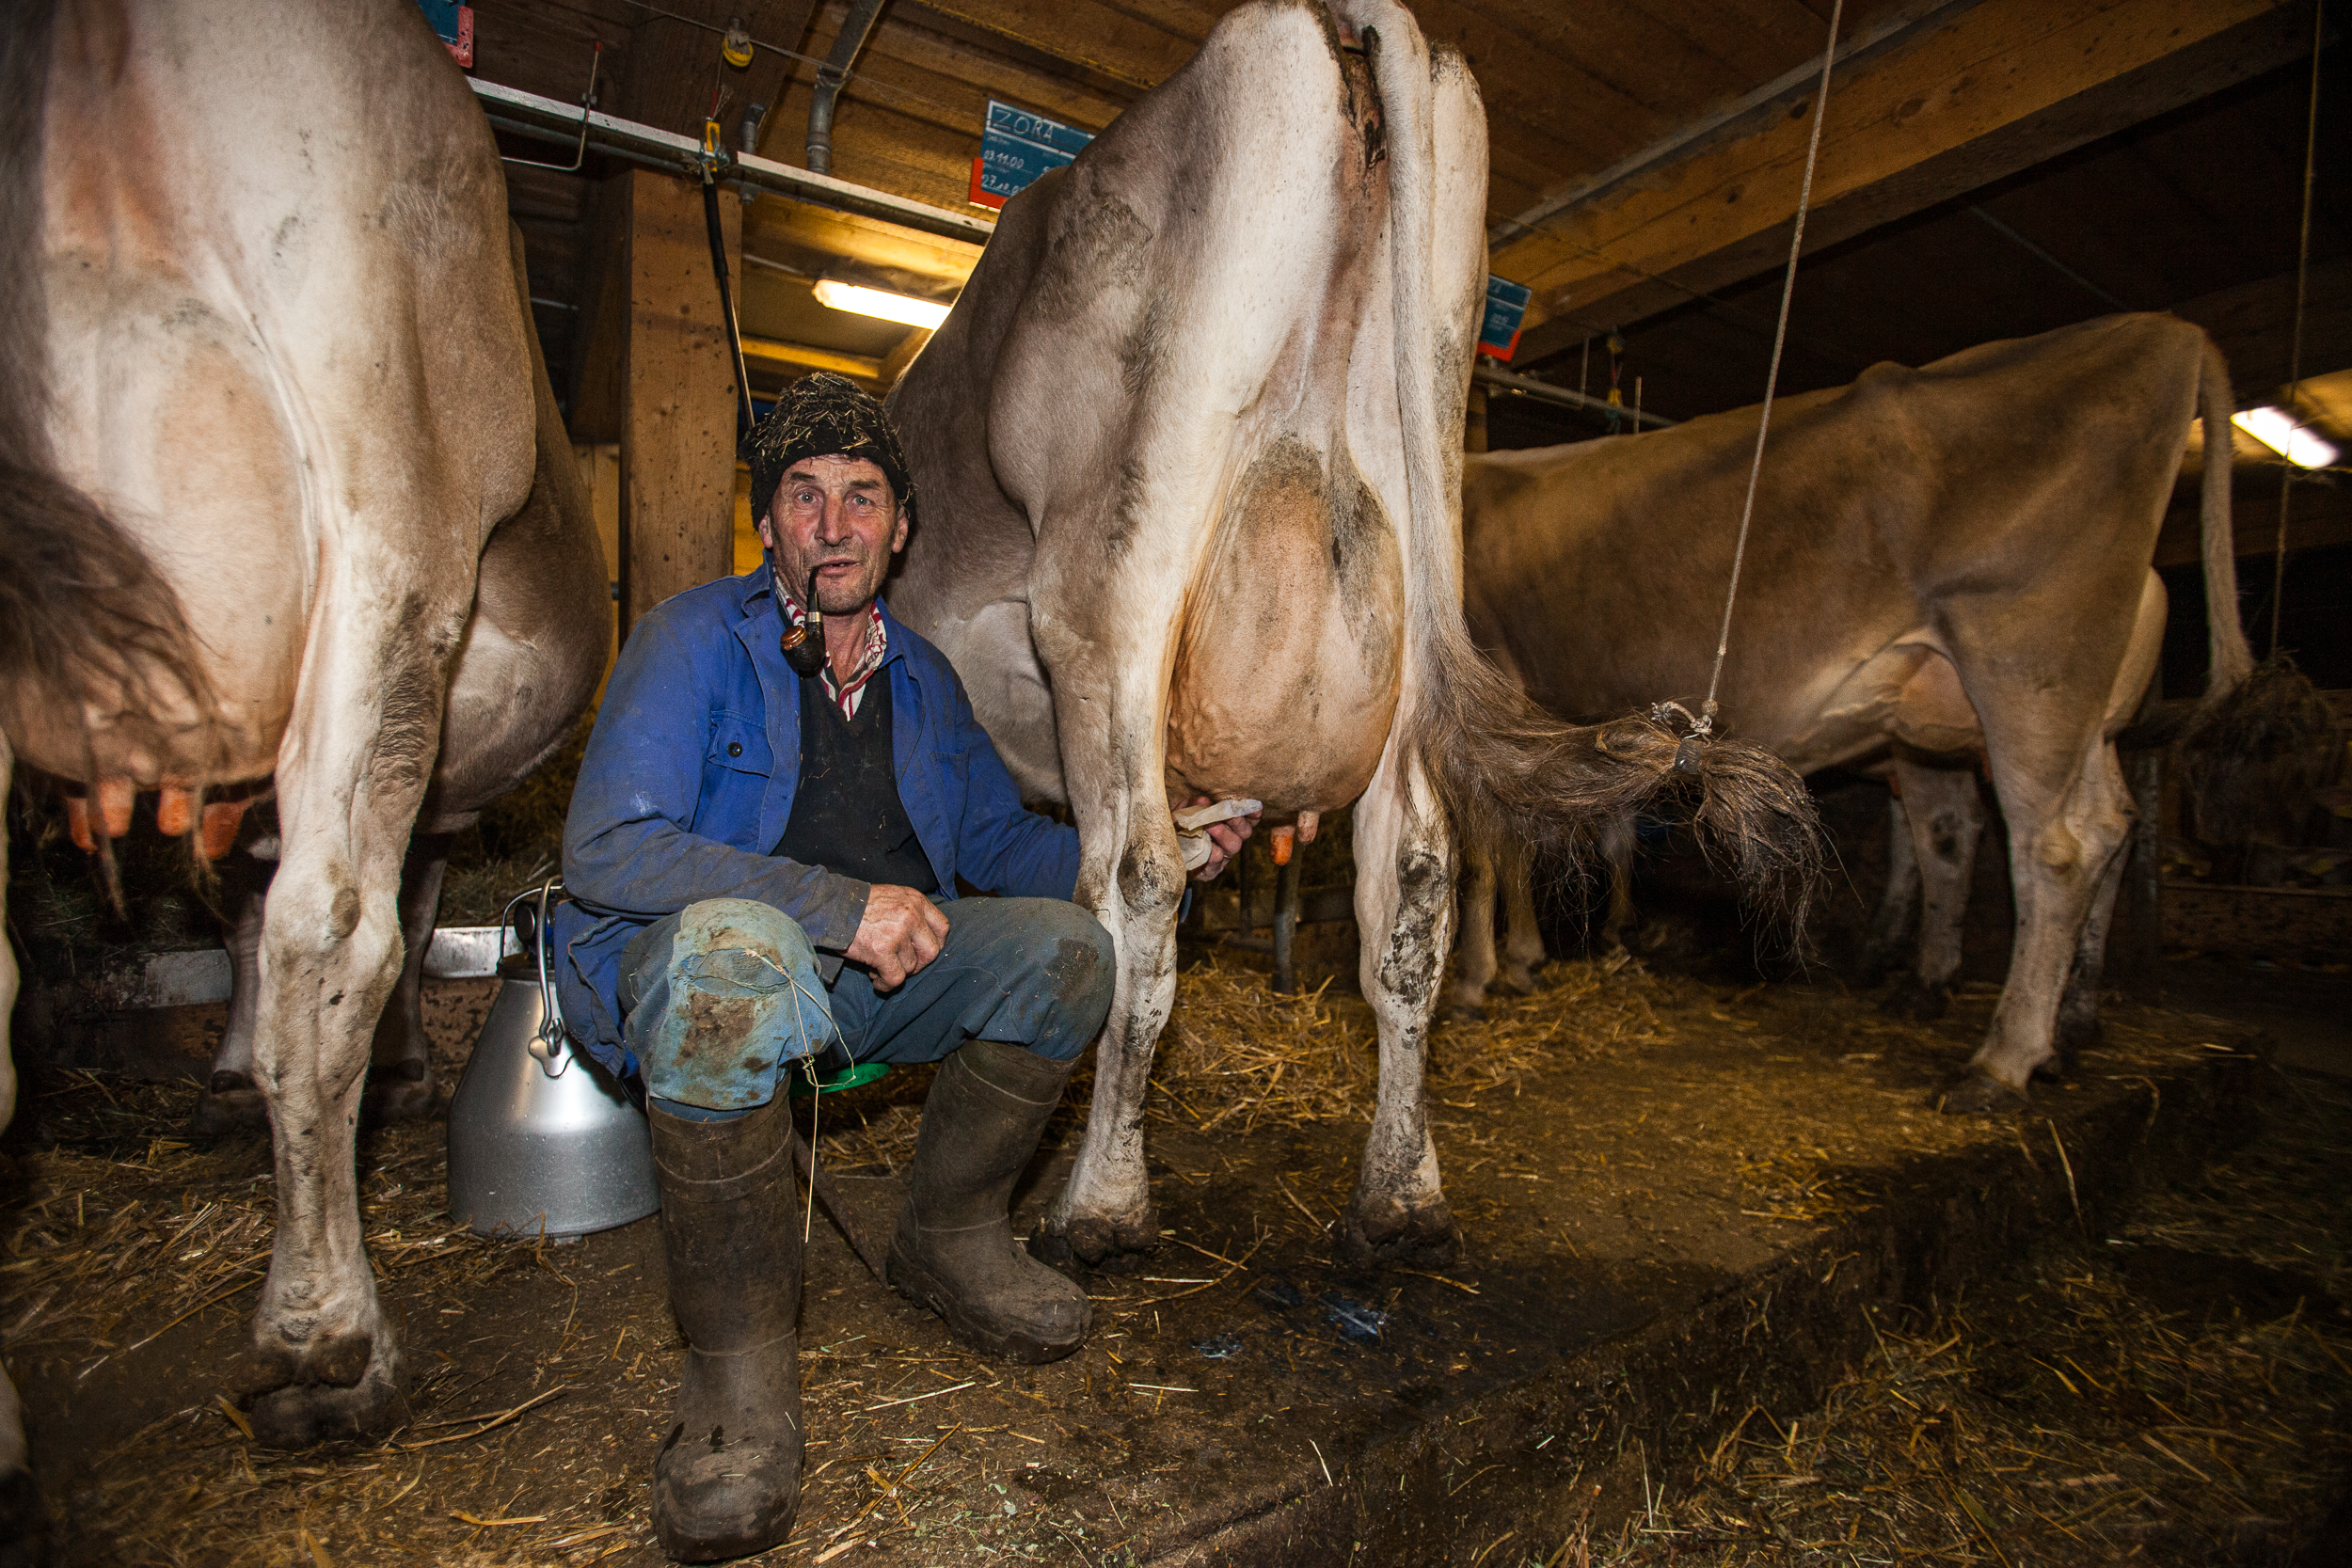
(744, 925)
(732, 997)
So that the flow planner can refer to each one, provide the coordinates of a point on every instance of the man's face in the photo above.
(835, 513)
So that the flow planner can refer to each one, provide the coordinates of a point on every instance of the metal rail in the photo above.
(1543, 391)
(546, 119)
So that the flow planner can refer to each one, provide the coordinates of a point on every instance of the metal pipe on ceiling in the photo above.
(527, 114)
(1543, 391)
(1887, 31)
(855, 28)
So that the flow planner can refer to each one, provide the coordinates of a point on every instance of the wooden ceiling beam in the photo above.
(2252, 324)
(2004, 86)
(547, 49)
(1122, 47)
(673, 64)
(774, 351)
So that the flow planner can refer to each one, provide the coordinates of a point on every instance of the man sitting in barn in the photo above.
(764, 871)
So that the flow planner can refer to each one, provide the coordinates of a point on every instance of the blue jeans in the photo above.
(725, 996)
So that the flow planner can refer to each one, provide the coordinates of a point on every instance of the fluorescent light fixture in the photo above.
(876, 302)
(2278, 430)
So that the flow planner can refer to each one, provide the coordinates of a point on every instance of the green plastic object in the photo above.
(853, 1076)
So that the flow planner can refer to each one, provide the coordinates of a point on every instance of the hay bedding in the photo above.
(1237, 1056)
(115, 1229)
(2096, 1410)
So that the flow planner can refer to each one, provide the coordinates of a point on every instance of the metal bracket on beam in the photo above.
(549, 119)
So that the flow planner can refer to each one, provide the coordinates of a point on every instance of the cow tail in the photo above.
(2263, 739)
(1505, 768)
(84, 619)
(2230, 659)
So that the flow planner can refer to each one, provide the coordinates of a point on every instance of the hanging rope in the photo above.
(1705, 723)
(2295, 341)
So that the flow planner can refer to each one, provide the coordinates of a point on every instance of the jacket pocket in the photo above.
(739, 745)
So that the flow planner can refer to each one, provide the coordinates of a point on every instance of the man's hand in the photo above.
(900, 932)
(1225, 839)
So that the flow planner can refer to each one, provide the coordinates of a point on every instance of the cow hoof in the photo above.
(1913, 998)
(2075, 1035)
(1980, 1094)
(1459, 1011)
(1092, 1241)
(24, 1523)
(1423, 1238)
(230, 1107)
(402, 1092)
(1870, 970)
(1514, 981)
(348, 1388)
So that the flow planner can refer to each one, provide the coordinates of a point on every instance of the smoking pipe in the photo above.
(804, 645)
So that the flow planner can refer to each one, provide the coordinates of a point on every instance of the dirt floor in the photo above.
(1733, 1291)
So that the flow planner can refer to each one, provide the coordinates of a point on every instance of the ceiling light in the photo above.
(2280, 431)
(876, 302)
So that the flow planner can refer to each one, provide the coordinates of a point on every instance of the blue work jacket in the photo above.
(690, 778)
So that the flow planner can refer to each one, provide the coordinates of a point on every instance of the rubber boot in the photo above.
(954, 1251)
(728, 1478)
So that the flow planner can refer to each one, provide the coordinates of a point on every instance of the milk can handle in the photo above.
(548, 1047)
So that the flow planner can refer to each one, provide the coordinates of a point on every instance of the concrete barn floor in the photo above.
(1709, 1216)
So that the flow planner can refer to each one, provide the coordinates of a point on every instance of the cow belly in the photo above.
(1288, 663)
(1907, 692)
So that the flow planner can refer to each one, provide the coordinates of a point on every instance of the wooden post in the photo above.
(678, 416)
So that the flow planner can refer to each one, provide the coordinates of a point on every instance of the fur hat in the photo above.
(818, 416)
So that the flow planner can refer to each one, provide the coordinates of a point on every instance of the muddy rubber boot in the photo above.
(728, 1478)
(954, 1251)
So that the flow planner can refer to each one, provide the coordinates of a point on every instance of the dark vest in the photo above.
(847, 816)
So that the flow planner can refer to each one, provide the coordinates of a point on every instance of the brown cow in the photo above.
(1188, 451)
(284, 495)
(1948, 565)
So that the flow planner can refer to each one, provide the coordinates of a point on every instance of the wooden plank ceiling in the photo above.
(2154, 216)
(1570, 89)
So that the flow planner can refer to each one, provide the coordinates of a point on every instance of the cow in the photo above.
(1189, 449)
(284, 500)
(1949, 568)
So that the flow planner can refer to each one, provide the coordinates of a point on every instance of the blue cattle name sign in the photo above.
(1016, 147)
(1506, 306)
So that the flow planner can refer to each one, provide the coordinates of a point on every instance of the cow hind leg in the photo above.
(231, 1102)
(2064, 839)
(1523, 953)
(1106, 1208)
(1131, 877)
(1616, 852)
(1892, 927)
(2078, 1008)
(1474, 965)
(400, 1064)
(21, 1518)
(1404, 877)
(1946, 815)
(326, 1362)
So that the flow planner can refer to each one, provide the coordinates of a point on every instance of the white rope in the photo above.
(1705, 723)
(816, 1093)
(2295, 342)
